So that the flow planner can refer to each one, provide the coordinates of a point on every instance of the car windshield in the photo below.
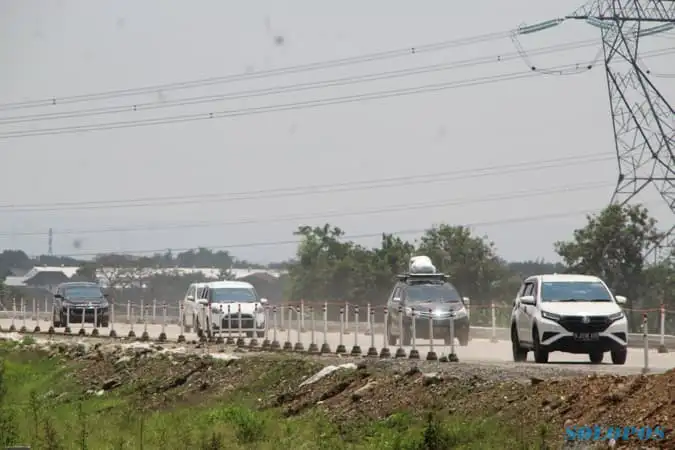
(425, 293)
(84, 292)
(239, 295)
(574, 291)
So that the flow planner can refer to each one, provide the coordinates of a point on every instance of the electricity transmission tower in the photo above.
(644, 121)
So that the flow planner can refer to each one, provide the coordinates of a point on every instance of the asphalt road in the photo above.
(478, 350)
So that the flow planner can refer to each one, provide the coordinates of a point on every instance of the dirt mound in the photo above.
(158, 378)
(363, 390)
(608, 400)
(603, 400)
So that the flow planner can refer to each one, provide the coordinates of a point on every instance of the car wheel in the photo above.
(540, 354)
(596, 357)
(519, 353)
(406, 336)
(198, 328)
(619, 357)
(186, 328)
(209, 332)
(463, 339)
(391, 339)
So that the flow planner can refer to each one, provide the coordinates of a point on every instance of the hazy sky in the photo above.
(62, 48)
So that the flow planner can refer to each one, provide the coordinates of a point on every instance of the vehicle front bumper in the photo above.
(247, 322)
(441, 326)
(89, 313)
(560, 336)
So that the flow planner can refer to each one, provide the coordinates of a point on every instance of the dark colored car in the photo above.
(81, 299)
(426, 295)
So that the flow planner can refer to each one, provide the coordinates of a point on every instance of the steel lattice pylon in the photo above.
(644, 121)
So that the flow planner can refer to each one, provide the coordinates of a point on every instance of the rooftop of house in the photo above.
(105, 274)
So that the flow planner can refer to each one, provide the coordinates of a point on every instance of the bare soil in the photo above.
(524, 397)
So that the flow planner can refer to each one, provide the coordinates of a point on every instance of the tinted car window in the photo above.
(582, 291)
(241, 295)
(83, 292)
(424, 293)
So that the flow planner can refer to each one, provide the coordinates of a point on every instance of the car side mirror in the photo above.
(263, 301)
(190, 298)
(620, 299)
(527, 300)
(203, 301)
(466, 300)
(58, 296)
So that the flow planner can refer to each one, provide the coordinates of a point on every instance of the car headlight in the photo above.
(616, 316)
(550, 316)
(460, 313)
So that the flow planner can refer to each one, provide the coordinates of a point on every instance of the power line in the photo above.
(363, 212)
(526, 166)
(327, 64)
(521, 219)
(296, 87)
(357, 98)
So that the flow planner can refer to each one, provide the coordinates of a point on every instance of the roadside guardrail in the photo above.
(486, 320)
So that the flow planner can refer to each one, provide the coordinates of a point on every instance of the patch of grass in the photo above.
(41, 405)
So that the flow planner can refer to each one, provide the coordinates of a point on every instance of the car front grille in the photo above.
(575, 324)
(233, 320)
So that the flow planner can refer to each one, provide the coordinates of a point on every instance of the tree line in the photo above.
(328, 267)
(611, 245)
(201, 257)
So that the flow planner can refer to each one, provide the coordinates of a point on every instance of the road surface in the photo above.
(478, 350)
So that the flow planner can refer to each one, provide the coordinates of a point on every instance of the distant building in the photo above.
(51, 276)
(42, 277)
(47, 280)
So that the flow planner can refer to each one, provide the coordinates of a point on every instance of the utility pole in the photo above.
(50, 242)
(643, 120)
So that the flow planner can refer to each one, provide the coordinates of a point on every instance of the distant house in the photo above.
(47, 280)
(44, 277)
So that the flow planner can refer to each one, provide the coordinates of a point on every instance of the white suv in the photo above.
(206, 306)
(571, 314)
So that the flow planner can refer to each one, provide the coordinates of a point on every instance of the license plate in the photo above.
(586, 336)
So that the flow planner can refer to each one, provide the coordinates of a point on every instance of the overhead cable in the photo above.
(298, 87)
(306, 190)
(357, 98)
(529, 193)
(210, 81)
(521, 219)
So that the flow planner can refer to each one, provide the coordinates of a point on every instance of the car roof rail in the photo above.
(422, 277)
